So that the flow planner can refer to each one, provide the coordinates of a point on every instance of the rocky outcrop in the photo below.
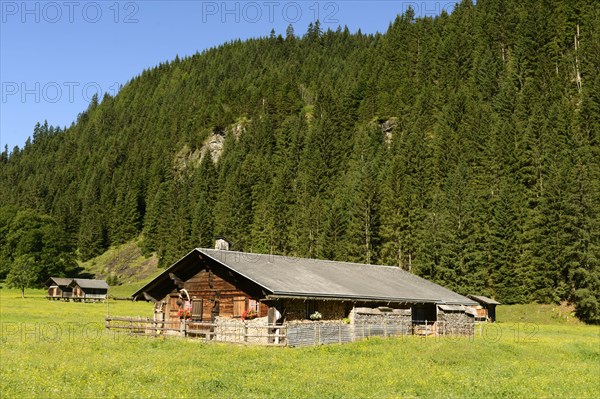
(213, 145)
(387, 128)
(215, 142)
(188, 159)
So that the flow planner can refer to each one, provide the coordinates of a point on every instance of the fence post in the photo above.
(384, 329)
(245, 332)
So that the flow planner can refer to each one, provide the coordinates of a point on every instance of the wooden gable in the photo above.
(212, 290)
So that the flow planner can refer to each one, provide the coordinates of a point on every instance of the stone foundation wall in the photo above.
(250, 331)
(455, 323)
(229, 330)
(364, 323)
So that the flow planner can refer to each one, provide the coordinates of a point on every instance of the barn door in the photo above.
(172, 306)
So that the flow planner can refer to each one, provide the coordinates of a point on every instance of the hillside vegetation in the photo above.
(122, 264)
(464, 148)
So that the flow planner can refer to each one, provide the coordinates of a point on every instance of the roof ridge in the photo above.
(310, 259)
(313, 276)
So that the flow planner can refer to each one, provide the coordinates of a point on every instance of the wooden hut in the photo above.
(485, 308)
(89, 290)
(58, 288)
(213, 284)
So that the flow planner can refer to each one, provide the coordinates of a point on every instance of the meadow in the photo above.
(58, 349)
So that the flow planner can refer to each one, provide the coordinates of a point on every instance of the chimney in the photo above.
(222, 243)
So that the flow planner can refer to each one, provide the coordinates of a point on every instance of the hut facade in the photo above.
(212, 285)
(58, 288)
(88, 290)
(485, 308)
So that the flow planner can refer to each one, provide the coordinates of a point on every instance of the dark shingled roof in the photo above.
(59, 281)
(85, 283)
(282, 276)
(484, 299)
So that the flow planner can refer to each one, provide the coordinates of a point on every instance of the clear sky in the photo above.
(54, 55)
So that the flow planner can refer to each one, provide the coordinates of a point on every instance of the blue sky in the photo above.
(54, 55)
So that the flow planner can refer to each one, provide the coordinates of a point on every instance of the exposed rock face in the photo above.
(214, 143)
(237, 129)
(186, 159)
(387, 128)
(214, 146)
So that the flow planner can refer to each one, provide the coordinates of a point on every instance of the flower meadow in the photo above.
(59, 349)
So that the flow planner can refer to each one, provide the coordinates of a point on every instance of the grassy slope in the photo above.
(125, 261)
(42, 342)
(538, 314)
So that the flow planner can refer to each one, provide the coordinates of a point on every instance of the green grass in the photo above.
(539, 314)
(124, 261)
(125, 290)
(58, 349)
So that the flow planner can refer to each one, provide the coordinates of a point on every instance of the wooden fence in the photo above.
(218, 332)
(290, 334)
(307, 334)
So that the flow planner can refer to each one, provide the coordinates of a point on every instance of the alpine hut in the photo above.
(87, 290)
(221, 286)
(58, 288)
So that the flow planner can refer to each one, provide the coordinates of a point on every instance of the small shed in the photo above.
(89, 290)
(486, 310)
(58, 288)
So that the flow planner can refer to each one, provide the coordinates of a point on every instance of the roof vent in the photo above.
(222, 244)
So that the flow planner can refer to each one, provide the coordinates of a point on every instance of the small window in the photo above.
(253, 304)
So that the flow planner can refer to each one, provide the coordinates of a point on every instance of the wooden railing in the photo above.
(219, 332)
(291, 334)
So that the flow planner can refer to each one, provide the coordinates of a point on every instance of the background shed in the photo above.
(58, 287)
(84, 289)
(486, 308)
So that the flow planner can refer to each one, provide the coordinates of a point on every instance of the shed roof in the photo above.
(59, 281)
(452, 308)
(87, 283)
(484, 299)
(281, 276)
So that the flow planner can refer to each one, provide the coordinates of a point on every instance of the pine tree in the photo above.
(204, 199)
